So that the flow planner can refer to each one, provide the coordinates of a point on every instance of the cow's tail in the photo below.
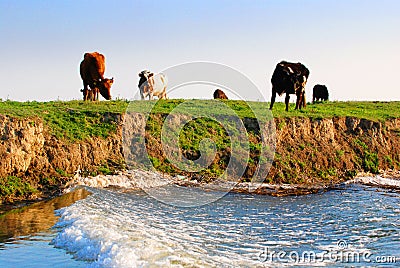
(164, 79)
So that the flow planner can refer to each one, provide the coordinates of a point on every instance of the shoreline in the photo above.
(36, 160)
(387, 179)
(140, 179)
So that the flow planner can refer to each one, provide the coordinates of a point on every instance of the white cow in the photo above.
(151, 84)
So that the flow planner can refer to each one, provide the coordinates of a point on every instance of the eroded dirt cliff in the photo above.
(308, 151)
(27, 149)
(34, 163)
(334, 149)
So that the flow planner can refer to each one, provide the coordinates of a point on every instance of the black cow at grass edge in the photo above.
(320, 92)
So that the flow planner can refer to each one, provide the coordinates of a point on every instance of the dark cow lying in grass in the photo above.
(219, 94)
(92, 73)
(289, 78)
(320, 93)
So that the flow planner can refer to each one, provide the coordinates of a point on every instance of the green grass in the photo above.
(377, 111)
(15, 187)
(72, 120)
(78, 120)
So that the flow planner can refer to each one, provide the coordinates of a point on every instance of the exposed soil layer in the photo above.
(309, 152)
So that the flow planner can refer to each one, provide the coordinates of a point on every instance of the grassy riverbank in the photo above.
(77, 120)
(315, 145)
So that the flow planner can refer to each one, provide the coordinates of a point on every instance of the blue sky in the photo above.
(352, 46)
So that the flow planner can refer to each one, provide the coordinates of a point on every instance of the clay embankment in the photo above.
(308, 151)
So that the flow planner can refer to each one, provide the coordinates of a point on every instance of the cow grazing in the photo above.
(219, 94)
(151, 85)
(289, 78)
(92, 73)
(320, 93)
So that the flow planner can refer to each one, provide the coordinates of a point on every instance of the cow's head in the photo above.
(144, 77)
(145, 74)
(104, 86)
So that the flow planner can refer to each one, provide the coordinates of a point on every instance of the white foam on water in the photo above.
(162, 187)
(107, 231)
(377, 181)
(115, 240)
(114, 229)
(129, 179)
(89, 239)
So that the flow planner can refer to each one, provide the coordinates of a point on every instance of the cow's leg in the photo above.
(299, 99)
(90, 95)
(85, 91)
(144, 91)
(273, 97)
(303, 99)
(96, 94)
(84, 94)
(164, 94)
(287, 101)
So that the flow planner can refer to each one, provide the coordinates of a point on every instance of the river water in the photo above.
(353, 226)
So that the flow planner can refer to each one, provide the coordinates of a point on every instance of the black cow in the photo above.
(290, 78)
(320, 92)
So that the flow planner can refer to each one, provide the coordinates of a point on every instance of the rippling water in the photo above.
(114, 229)
(26, 233)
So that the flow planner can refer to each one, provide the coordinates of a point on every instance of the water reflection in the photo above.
(22, 223)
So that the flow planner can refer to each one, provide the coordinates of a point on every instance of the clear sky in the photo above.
(352, 46)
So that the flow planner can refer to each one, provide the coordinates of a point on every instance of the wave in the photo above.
(132, 179)
(378, 181)
(113, 228)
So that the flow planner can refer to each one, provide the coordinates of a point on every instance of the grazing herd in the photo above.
(287, 78)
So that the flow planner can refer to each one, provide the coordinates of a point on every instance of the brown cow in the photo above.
(92, 73)
(219, 94)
